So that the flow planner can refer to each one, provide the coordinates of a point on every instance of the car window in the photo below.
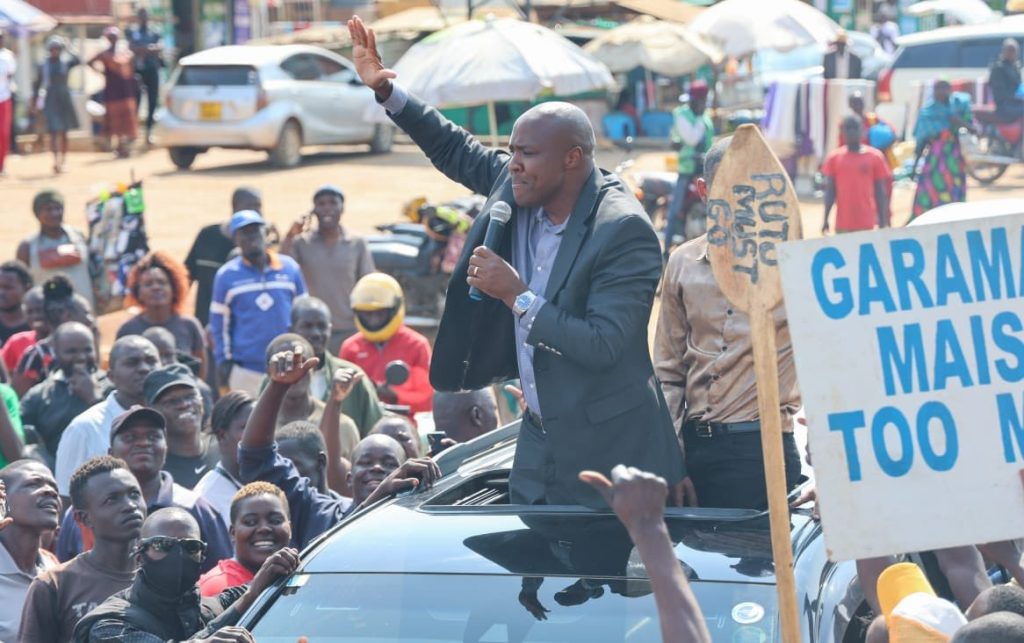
(333, 71)
(981, 52)
(301, 67)
(499, 609)
(927, 55)
(225, 75)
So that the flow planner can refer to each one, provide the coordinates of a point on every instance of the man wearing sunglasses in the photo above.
(139, 437)
(163, 602)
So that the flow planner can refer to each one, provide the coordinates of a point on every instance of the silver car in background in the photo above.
(276, 98)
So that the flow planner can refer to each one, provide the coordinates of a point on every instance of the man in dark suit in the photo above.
(840, 62)
(570, 293)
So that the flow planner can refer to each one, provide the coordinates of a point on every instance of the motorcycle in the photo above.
(996, 147)
(421, 253)
(654, 191)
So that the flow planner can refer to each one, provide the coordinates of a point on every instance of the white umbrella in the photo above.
(965, 12)
(488, 61)
(663, 47)
(741, 27)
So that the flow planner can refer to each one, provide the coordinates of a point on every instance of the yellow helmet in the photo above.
(378, 292)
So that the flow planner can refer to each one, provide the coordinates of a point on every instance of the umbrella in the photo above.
(498, 59)
(21, 16)
(741, 27)
(665, 48)
(966, 12)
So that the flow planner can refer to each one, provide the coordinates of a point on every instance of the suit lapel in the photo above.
(572, 238)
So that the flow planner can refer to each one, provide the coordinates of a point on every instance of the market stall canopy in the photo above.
(741, 27)
(663, 47)
(672, 10)
(498, 59)
(965, 12)
(18, 15)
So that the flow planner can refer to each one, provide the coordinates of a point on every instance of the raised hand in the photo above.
(281, 563)
(367, 60)
(417, 472)
(345, 380)
(288, 367)
(636, 497)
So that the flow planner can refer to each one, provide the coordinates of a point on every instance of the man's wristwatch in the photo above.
(523, 303)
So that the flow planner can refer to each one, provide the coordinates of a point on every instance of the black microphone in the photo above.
(500, 213)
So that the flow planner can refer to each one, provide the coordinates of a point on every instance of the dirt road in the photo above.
(178, 203)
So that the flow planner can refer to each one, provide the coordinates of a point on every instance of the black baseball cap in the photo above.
(137, 415)
(164, 378)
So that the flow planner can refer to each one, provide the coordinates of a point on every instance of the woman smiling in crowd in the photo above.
(259, 528)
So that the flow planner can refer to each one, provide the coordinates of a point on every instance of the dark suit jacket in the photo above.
(601, 402)
(830, 65)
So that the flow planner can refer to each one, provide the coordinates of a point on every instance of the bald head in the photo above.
(377, 442)
(464, 416)
(567, 121)
(173, 522)
(165, 344)
(713, 159)
(1006, 627)
(71, 330)
(246, 198)
(129, 344)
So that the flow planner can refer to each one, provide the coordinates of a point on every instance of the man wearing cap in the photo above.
(174, 391)
(692, 134)
(132, 358)
(840, 62)
(139, 437)
(332, 260)
(252, 304)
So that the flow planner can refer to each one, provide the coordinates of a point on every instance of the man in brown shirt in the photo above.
(332, 260)
(108, 500)
(705, 361)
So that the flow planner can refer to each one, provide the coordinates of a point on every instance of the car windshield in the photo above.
(220, 75)
(499, 609)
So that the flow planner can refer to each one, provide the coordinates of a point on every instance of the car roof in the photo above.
(426, 533)
(249, 55)
(952, 212)
(1013, 26)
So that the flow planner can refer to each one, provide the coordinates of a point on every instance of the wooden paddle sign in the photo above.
(752, 207)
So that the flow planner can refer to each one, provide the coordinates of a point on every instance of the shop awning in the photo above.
(672, 10)
(17, 15)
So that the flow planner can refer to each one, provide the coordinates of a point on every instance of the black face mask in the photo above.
(172, 575)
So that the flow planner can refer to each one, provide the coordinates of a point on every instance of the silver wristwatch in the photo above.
(523, 303)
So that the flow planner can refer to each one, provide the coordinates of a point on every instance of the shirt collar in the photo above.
(165, 496)
(703, 256)
(273, 261)
(542, 218)
(8, 566)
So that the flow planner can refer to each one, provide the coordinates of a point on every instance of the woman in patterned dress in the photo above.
(943, 177)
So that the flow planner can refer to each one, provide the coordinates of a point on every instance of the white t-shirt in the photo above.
(218, 487)
(86, 437)
(8, 66)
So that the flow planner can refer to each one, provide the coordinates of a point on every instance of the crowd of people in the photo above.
(153, 494)
(209, 442)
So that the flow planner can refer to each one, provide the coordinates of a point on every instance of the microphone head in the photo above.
(501, 211)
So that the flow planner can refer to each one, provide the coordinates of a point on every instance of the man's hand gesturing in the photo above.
(367, 61)
(288, 367)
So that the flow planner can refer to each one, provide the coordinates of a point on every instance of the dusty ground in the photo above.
(179, 203)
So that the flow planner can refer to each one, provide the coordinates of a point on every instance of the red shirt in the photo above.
(406, 345)
(227, 574)
(15, 347)
(854, 175)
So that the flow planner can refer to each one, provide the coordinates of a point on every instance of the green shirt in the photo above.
(686, 162)
(14, 413)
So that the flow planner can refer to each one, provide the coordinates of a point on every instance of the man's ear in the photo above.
(702, 188)
(321, 460)
(82, 517)
(574, 157)
(476, 415)
(231, 532)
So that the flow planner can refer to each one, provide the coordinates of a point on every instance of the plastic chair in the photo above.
(656, 124)
(618, 126)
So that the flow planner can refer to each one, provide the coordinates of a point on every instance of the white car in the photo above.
(276, 98)
(955, 53)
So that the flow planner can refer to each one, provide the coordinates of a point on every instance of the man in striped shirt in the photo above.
(252, 304)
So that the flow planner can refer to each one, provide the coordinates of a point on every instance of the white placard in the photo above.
(909, 348)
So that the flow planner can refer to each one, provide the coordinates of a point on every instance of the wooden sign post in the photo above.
(752, 207)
